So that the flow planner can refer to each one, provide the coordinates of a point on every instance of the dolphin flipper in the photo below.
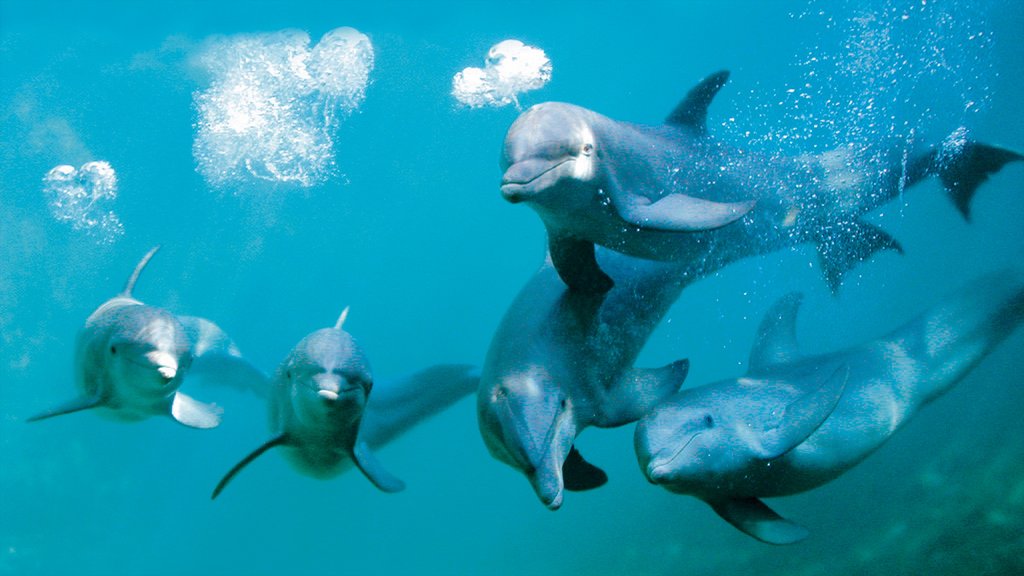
(795, 422)
(576, 264)
(579, 475)
(373, 470)
(76, 405)
(275, 441)
(964, 170)
(850, 244)
(639, 391)
(218, 359)
(681, 213)
(193, 413)
(754, 518)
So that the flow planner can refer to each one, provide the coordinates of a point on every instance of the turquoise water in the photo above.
(409, 229)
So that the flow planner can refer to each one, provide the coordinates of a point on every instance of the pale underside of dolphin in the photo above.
(795, 422)
(674, 192)
(326, 419)
(132, 358)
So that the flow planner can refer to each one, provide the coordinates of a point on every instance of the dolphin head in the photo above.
(549, 146)
(680, 445)
(328, 377)
(528, 424)
(148, 352)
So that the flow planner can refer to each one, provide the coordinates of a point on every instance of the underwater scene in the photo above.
(457, 287)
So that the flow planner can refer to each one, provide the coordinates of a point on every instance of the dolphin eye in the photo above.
(563, 403)
(588, 148)
(708, 421)
(113, 349)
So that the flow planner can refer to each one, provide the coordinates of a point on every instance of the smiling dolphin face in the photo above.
(530, 427)
(328, 380)
(548, 146)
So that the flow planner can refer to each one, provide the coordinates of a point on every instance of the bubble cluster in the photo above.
(274, 103)
(511, 68)
(81, 197)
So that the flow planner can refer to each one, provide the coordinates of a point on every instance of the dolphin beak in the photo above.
(166, 364)
(328, 394)
(515, 183)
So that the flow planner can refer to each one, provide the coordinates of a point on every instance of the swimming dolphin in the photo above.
(130, 360)
(562, 361)
(795, 422)
(660, 192)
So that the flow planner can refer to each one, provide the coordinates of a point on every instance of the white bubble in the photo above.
(273, 105)
(81, 198)
(510, 69)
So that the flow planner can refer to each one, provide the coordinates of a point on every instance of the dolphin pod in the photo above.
(794, 422)
(633, 215)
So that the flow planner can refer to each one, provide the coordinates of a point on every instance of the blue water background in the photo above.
(414, 236)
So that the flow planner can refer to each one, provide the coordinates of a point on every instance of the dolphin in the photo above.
(561, 361)
(795, 421)
(662, 192)
(131, 359)
(324, 415)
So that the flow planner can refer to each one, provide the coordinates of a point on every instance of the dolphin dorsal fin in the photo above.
(776, 337)
(130, 284)
(341, 319)
(692, 112)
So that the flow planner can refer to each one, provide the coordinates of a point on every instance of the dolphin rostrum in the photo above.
(795, 422)
(660, 192)
(130, 360)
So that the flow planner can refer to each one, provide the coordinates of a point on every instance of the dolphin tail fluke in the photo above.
(639, 391)
(754, 518)
(849, 244)
(580, 475)
(374, 471)
(276, 441)
(76, 405)
(963, 165)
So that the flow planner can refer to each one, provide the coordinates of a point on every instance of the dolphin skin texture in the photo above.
(675, 192)
(795, 422)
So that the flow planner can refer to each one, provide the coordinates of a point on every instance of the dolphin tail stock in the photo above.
(639, 391)
(374, 471)
(216, 358)
(954, 336)
(129, 285)
(754, 518)
(396, 406)
(279, 440)
(76, 405)
(962, 165)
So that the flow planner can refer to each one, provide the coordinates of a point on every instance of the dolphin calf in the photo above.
(561, 361)
(130, 360)
(795, 422)
(660, 192)
(325, 417)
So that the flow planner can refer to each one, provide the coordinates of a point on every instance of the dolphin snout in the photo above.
(166, 364)
(658, 471)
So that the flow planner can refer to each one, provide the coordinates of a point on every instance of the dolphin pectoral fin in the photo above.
(965, 169)
(639, 391)
(854, 242)
(576, 264)
(275, 441)
(692, 112)
(795, 422)
(217, 359)
(76, 405)
(579, 475)
(373, 470)
(754, 518)
(776, 337)
(193, 413)
(682, 213)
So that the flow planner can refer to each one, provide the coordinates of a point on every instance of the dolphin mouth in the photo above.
(513, 186)
(658, 469)
(333, 395)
